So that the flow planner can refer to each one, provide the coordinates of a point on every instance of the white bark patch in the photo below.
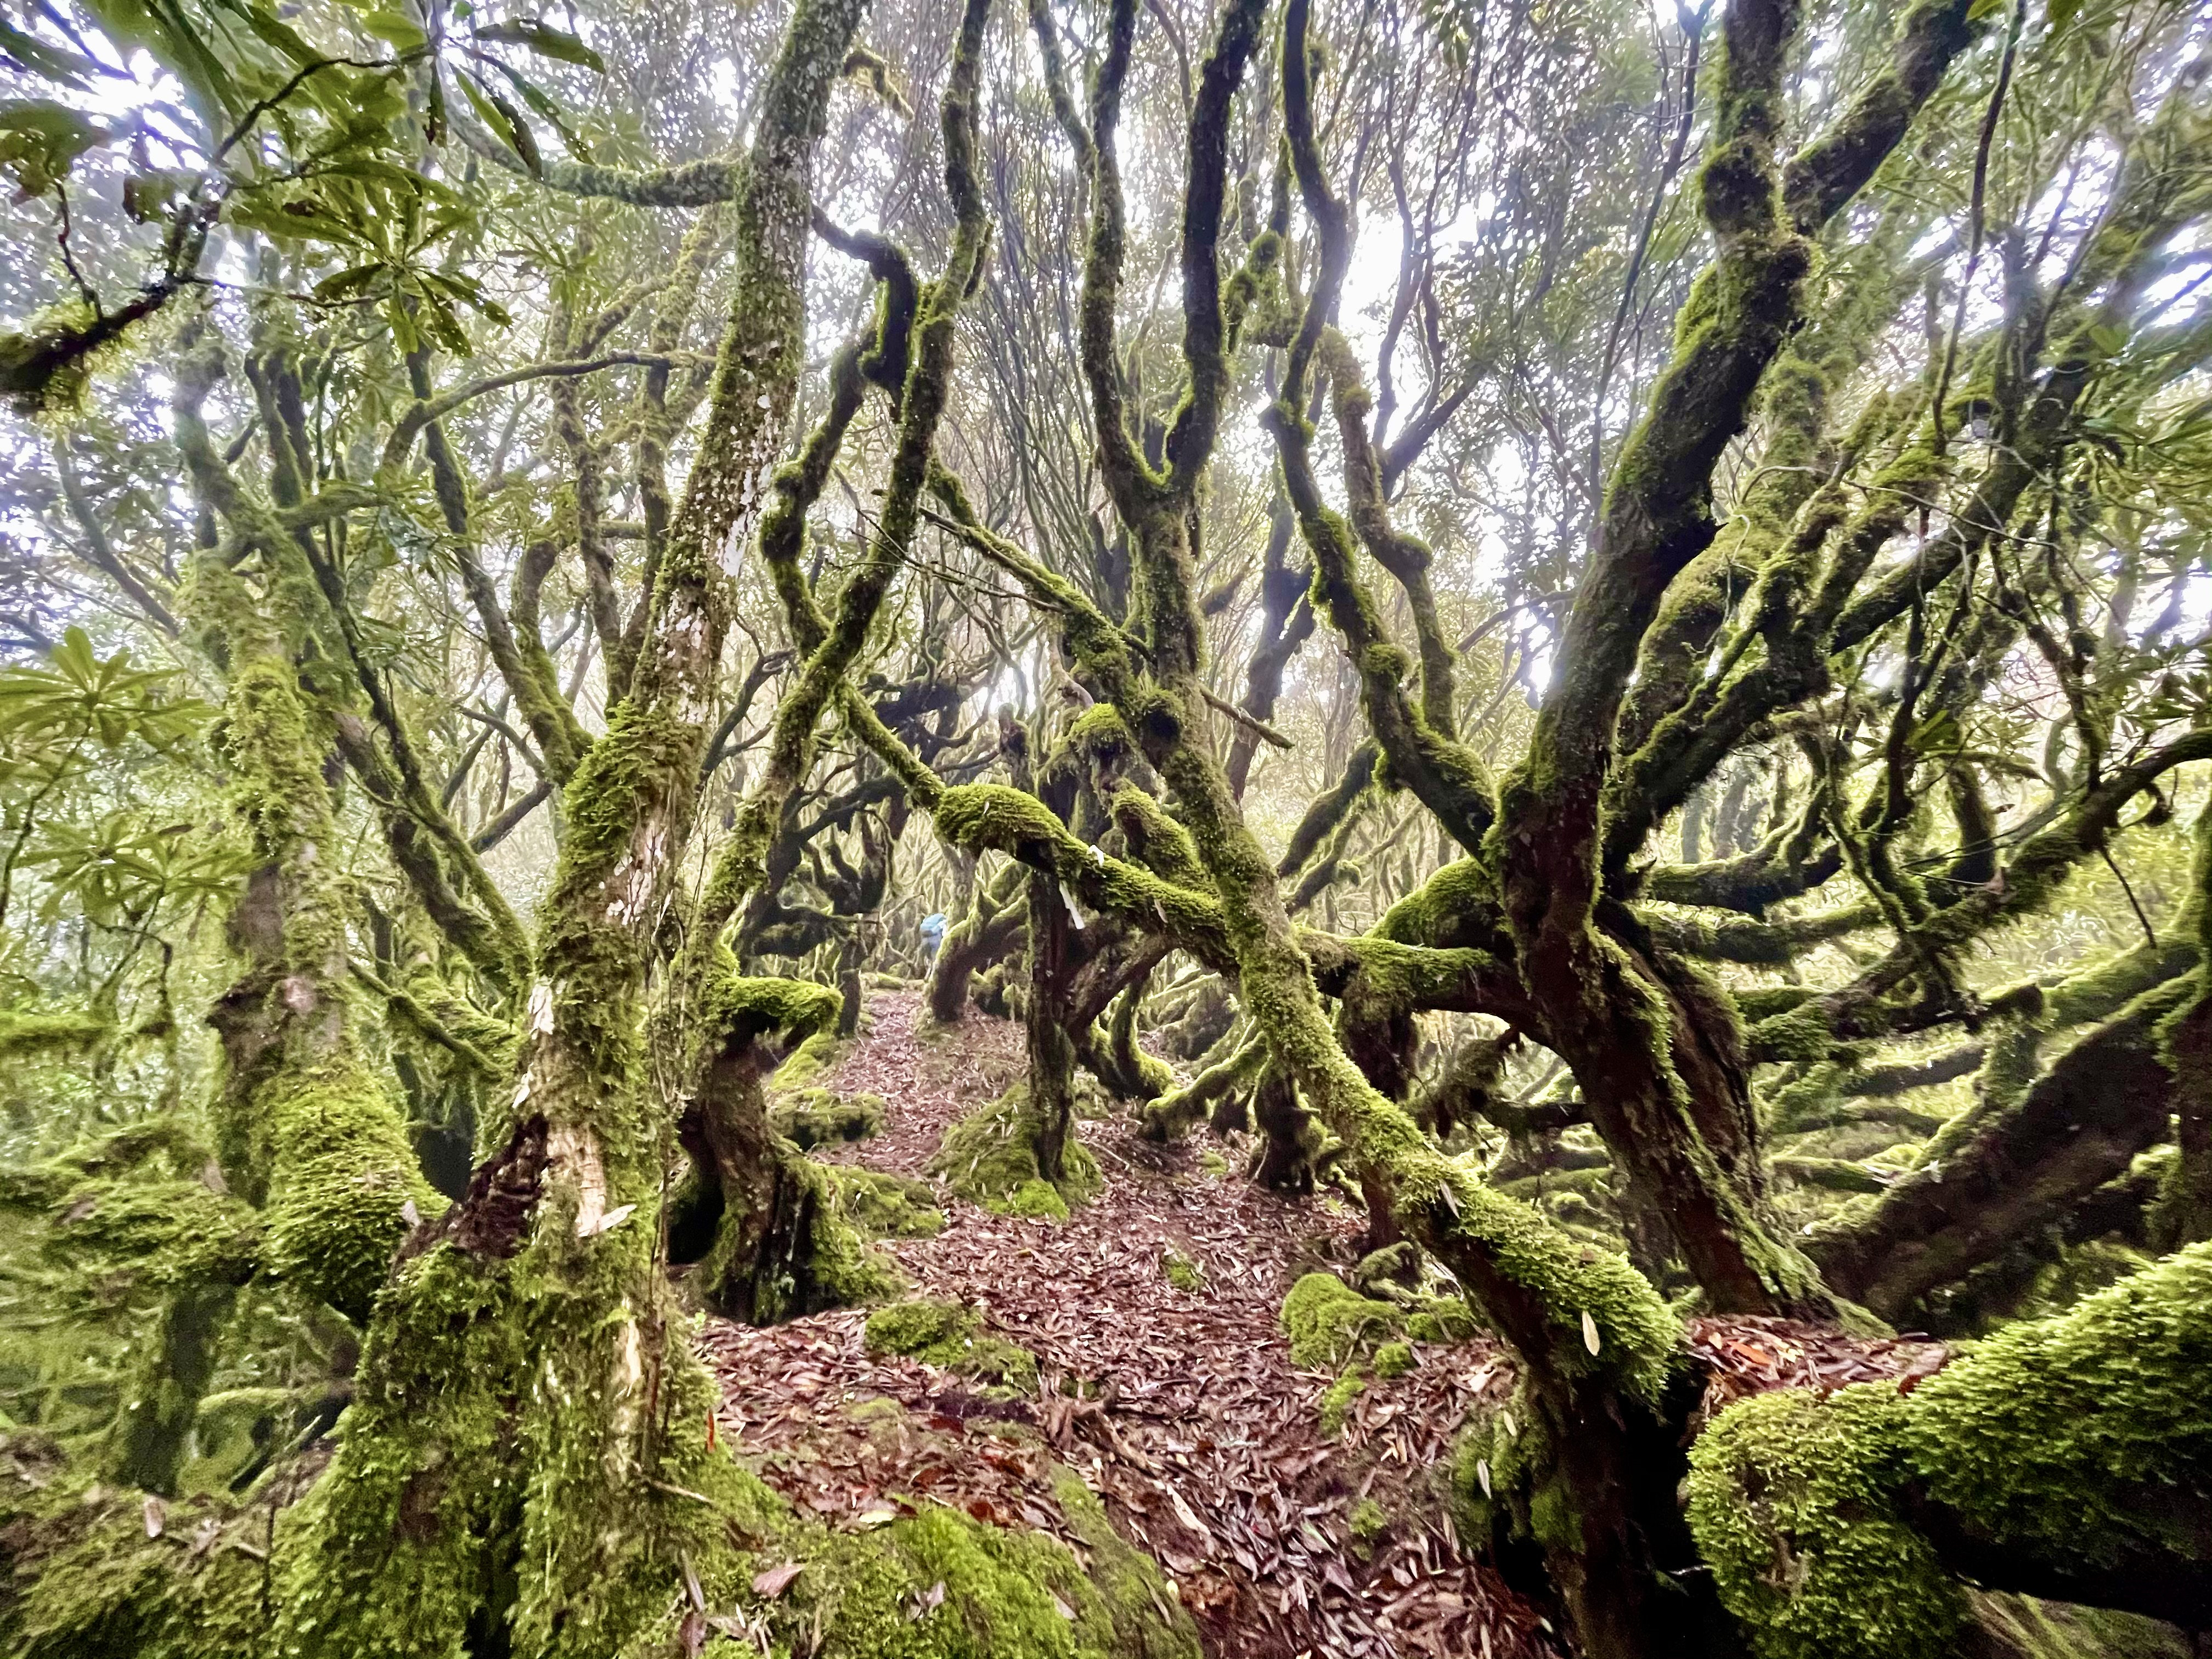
(573, 1152)
(625, 1387)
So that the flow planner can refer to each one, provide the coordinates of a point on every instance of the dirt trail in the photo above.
(1199, 1434)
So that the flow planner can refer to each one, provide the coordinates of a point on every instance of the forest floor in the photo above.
(1195, 1427)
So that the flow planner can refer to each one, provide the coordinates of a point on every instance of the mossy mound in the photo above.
(809, 1065)
(1327, 1321)
(816, 1117)
(886, 1205)
(1393, 1360)
(989, 1157)
(949, 1336)
(1441, 1319)
(1336, 1400)
(1181, 1272)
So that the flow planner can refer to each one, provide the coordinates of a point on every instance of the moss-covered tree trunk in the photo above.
(529, 1332)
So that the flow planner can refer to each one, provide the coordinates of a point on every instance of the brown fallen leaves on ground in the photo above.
(1180, 1409)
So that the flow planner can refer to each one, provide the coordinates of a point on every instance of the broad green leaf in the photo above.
(544, 40)
(41, 141)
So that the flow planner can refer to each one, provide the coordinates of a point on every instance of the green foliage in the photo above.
(1338, 1398)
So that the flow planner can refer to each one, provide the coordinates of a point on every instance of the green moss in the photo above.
(1036, 1198)
(1441, 1319)
(1181, 1272)
(1393, 1360)
(342, 1175)
(1212, 1162)
(83, 1580)
(1327, 1320)
(886, 1205)
(814, 1059)
(1336, 1400)
(949, 1336)
(1370, 1520)
(1792, 1501)
(989, 1157)
(816, 1117)
(24, 1035)
(2050, 1433)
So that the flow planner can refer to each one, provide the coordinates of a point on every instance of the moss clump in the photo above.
(1327, 1321)
(1791, 1499)
(1370, 1520)
(1037, 1198)
(1181, 1272)
(1393, 1360)
(886, 1205)
(1443, 1319)
(816, 1117)
(1336, 1400)
(949, 1336)
(989, 1157)
(812, 1063)
(1212, 1162)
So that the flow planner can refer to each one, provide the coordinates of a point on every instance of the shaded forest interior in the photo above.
(971, 831)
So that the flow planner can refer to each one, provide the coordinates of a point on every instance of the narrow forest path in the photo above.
(1200, 1436)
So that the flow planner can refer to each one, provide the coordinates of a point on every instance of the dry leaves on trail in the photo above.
(1180, 1409)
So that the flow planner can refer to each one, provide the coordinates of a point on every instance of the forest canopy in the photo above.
(1111, 830)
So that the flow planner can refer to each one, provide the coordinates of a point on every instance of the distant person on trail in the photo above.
(933, 933)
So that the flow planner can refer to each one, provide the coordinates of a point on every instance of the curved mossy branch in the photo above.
(532, 1326)
(1174, 1113)
(1447, 777)
(656, 422)
(1405, 557)
(922, 405)
(778, 1248)
(1867, 1006)
(993, 925)
(2068, 1457)
(1657, 515)
(1761, 944)
(1999, 1175)
(1134, 487)
(692, 184)
(1286, 622)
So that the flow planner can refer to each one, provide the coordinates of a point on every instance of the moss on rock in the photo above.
(885, 1206)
